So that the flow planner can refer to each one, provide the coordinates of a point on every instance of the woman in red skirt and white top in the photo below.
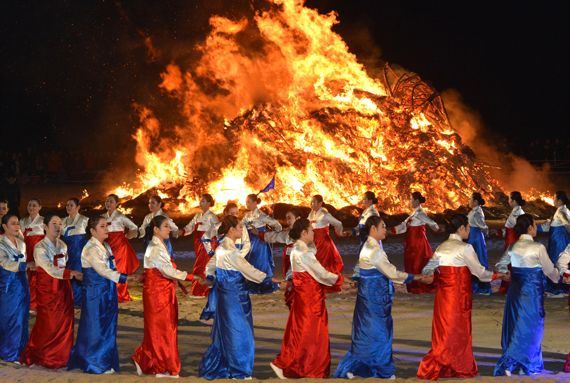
(32, 228)
(158, 353)
(327, 253)
(305, 350)
(417, 250)
(52, 336)
(201, 225)
(121, 229)
(508, 233)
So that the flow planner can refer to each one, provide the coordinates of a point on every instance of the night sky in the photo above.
(71, 70)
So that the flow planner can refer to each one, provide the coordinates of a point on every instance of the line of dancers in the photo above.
(88, 262)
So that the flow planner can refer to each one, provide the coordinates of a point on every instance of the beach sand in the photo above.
(412, 327)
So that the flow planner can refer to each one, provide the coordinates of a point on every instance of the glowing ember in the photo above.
(282, 95)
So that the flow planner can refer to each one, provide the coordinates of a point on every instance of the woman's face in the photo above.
(34, 208)
(204, 204)
(233, 211)
(473, 203)
(308, 236)
(290, 218)
(3, 209)
(71, 208)
(110, 204)
(315, 204)
(378, 232)
(463, 231)
(366, 202)
(12, 227)
(101, 231)
(532, 230)
(557, 202)
(235, 232)
(153, 205)
(513, 203)
(163, 231)
(414, 202)
(250, 204)
(53, 227)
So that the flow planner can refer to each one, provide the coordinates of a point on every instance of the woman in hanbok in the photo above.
(95, 350)
(370, 354)
(260, 255)
(327, 253)
(75, 237)
(242, 244)
(523, 318)
(158, 353)
(453, 262)
(201, 225)
(305, 349)
(51, 339)
(121, 229)
(417, 250)
(516, 202)
(3, 208)
(231, 354)
(563, 266)
(558, 240)
(283, 237)
(155, 206)
(369, 201)
(32, 228)
(14, 291)
(477, 232)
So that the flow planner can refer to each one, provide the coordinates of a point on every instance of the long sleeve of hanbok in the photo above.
(276, 236)
(547, 266)
(7, 263)
(503, 265)
(476, 268)
(43, 260)
(246, 269)
(189, 228)
(423, 217)
(271, 222)
(210, 269)
(382, 264)
(401, 228)
(477, 219)
(165, 267)
(333, 222)
(563, 261)
(132, 229)
(101, 267)
(432, 264)
(245, 243)
(317, 271)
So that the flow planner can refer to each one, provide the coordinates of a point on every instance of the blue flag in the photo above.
(270, 186)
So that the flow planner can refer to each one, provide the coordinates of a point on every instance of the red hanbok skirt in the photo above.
(417, 253)
(158, 352)
(125, 259)
(31, 242)
(52, 336)
(202, 259)
(511, 237)
(305, 350)
(451, 354)
(329, 257)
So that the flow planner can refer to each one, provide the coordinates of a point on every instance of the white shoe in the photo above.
(393, 377)
(508, 373)
(350, 375)
(17, 363)
(108, 372)
(246, 378)
(167, 375)
(278, 371)
(139, 370)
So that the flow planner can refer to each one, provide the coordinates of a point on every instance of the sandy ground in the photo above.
(412, 328)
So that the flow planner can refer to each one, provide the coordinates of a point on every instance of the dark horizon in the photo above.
(72, 71)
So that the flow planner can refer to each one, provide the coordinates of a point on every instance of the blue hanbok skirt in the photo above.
(75, 244)
(261, 258)
(477, 240)
(14, 314)
(557, 242)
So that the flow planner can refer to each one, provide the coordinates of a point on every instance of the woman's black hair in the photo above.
(479, 198)
(254, 198)
(517, 197)
(298, 227)
(92, 224)
(158, 200)
(524, 221)
(296, 212)
(456, 222)
(371, 221)
(418, 197)
(115, 197)
(371, 196)
(35, 199)
(155, 222)
(318, 198)
(75, 201)
(561, 195)
(210, 199)
(228, 222)
(48, 218)
(5, 220)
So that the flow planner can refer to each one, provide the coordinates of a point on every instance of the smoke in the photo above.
(513, 172)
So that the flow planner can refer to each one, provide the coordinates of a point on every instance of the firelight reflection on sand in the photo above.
(301, 107)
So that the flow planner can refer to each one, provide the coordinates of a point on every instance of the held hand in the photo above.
(566, 279)
(77, 275)
(504, 276)
(31, 266)
(278, 281)
(426, 279)
(340, 234)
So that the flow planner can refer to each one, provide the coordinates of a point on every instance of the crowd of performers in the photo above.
(48, 265)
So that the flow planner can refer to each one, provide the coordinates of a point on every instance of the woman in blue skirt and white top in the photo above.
(478, 231)
(558, 240)
(75, 237)
(14, 291)
(523, 319)
(95, 350)
(370, 354)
